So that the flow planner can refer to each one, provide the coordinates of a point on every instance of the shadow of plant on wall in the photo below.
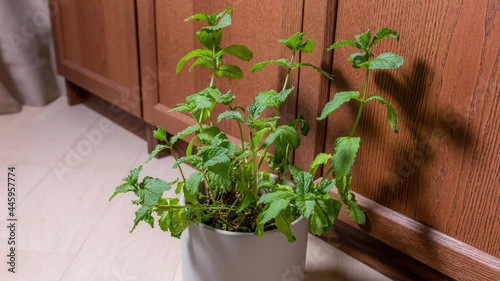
(431, 127)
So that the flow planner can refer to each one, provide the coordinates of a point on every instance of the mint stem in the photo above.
(363, 100)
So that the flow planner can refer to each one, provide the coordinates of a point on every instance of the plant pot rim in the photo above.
(232, 233)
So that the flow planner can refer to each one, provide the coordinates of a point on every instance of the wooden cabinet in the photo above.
(432, 191)
(443, 168)
(250, 27)
(96, 49)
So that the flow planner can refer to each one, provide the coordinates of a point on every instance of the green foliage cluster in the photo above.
(231, 190)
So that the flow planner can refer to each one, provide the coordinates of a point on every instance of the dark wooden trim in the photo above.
(379, 256)
(313, 88)
(148, 59)
(445, 254)
(117, 115)
(74, 93)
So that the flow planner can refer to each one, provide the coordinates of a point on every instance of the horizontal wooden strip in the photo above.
(125, 98)
(379, 256)
(446, 254)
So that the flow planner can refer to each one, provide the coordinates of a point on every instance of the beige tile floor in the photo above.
(68, 161)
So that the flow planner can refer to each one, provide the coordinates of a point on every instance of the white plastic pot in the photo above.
(210, 254)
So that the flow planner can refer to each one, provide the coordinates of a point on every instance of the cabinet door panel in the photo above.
(443, 167)
(96, 48)
(256, 25)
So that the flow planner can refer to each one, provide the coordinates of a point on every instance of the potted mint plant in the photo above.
(237, 219)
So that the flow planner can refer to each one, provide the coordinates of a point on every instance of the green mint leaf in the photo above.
(270, 197)
(260, 65)
(143, 214)
(386, 61)
(179, 188)
(165, 220)
(284, 138)
(339, 99)
(248, 197)
(304, 125)
(284, 135)
(282, 96)
(183, 133)
(391, 113)
(216, 156)
(325, 185)
(257, 137)
(303, 180)
(342, 43)
(259, 228)
(234, 115)
(358, 60)
(294, 42)
(160, 134)
(320, 159)
(151, 190)
(182, 107)
(326, 74)
(180, 221)
(192, 187)
(262, 101)
(195, 161)
(208, 134)
(274, 208)
(283, 226)
(229, 71)
(204, 62)
(189, 148)
(219, 180)
(364, 39)
(223, 13)
(225, 21)
(158, 148)
(308, 46)
(305, 206)
(199, 17)
(325, 213)
(193, 54)
(345, 153)
(384, 33)
(356, 213)
(343, 184)
(201, 106)
(124, 188)
(209, 38)
(239, 51)
(215, 96)
(133, 176)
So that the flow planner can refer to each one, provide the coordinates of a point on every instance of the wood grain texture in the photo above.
(74, 93)
(313, 88)
(443, 167)
(444, 253)
(381, 257)
(248, 28)
(96, 47)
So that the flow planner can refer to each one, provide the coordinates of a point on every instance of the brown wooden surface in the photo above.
(386, 260)
(249, 28)
(96, 48)
(74, 93)
(313, 88)
(446, 254)
(443, 168)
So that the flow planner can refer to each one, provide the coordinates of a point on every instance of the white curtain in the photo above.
(27, 72)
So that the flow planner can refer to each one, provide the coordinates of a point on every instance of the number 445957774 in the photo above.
(11, 191)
